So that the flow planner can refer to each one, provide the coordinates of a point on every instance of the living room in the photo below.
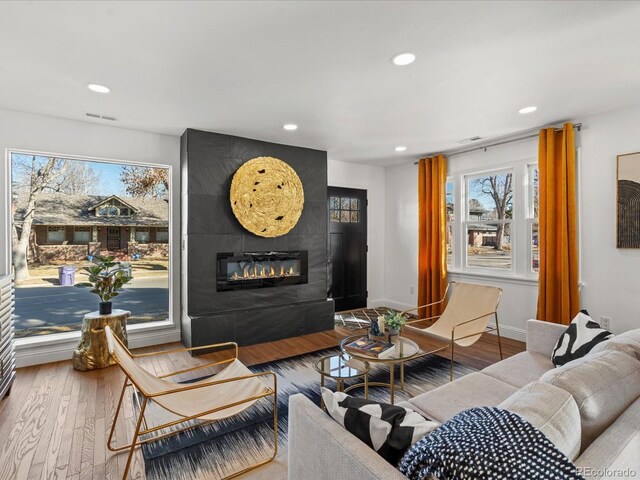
(295, 177)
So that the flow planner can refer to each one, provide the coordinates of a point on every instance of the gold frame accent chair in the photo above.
(465, 318)
(225, 394)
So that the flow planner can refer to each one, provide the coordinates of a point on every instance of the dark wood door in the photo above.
(347, 247)
(113, 238)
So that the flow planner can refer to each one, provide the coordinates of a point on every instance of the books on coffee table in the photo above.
(371, 348)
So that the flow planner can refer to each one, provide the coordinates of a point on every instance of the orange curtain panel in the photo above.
(558, 296)
(432, 224)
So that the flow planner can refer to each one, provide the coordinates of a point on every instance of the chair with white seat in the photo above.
(465, 318)
(227, 393)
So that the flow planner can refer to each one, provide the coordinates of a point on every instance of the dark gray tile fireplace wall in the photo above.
(209, 161)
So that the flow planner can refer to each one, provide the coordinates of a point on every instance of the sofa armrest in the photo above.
(320, 448)
(542, 336)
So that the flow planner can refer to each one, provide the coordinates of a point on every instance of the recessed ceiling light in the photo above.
(290, 126)
(400, 148)
(526, 110)
(95, 87)
(402, 59)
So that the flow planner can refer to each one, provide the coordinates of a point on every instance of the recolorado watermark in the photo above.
(590, 472)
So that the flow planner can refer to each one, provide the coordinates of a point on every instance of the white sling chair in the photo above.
(465, 318)
(229, 392)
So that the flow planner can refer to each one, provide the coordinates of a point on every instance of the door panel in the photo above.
(348, 247)
(113, 238)
(336, 240)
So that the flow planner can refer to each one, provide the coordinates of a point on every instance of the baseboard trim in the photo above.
(28, 355)
(508, 331)
(390, 303)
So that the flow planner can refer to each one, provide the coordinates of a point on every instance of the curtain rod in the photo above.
(461, 150)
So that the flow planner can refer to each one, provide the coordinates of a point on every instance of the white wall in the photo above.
(610, 277)
(372, 179)
(54, 135)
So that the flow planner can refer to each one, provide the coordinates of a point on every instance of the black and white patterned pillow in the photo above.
(389, 429)
(578, 339)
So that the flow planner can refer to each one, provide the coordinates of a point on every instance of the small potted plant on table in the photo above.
(395, 321)
(107, 279)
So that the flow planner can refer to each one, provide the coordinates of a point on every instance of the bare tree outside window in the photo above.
(145, 182)
(500, 189)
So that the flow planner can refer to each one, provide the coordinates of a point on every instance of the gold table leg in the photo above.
(392, 368)
(366, 385)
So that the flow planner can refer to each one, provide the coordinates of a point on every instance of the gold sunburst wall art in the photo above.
(267, 196)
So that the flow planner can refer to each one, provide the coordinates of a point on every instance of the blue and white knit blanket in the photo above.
(487, 443)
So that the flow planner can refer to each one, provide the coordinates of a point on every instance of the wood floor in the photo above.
(55, 423)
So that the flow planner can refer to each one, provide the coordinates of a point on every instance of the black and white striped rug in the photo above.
(217, 450)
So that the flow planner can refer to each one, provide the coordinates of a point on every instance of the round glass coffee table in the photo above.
(341, 367)
(405, 350)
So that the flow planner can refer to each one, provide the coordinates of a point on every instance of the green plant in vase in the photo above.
(107, 279)
(394, 321)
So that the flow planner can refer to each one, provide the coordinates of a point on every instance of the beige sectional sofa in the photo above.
(590, 409)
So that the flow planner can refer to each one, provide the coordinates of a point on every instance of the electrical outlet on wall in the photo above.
(412, 290)
(605, 322)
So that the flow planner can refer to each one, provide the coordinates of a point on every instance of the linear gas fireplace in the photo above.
(243, 271)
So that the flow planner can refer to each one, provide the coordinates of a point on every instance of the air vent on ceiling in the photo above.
(469, 140)
(99, 116)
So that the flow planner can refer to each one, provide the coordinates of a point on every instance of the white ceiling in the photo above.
(246, 68)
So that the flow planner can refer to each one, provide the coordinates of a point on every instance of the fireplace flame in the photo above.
(258, 272)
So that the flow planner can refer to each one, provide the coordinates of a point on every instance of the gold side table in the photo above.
(92, 352)
(405, 350)
(340, 367)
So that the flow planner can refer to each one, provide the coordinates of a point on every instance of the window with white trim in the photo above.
(532, 216)
(492, 220)
(142, 234)
(451, 204)
(489, 216)
(162, 234)
(81, 234)
(56, 234)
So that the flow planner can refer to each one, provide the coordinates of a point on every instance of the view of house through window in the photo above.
(68, 212)
(489, 216)
(451, 202)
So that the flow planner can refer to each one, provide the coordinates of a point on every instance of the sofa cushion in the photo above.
(618, 447)
(551, 410)
(580, 337)
(521, 369)
(473, 390)
(389, 429)
(603, 385)
(628, 342)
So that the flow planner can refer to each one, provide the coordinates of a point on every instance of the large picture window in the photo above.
(65, 212)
